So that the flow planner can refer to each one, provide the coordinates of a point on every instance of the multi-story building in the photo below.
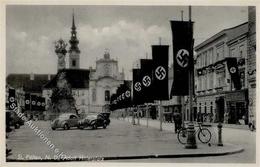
(251, 63)
(218, 98)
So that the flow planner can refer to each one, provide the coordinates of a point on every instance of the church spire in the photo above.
(73, 22)
(73, 40)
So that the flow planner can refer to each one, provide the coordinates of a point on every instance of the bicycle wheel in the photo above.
(182, 136)
(204, 135)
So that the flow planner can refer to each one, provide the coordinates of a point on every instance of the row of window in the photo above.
(213, 80)
(238, 51)
(210, 81)
(208, 57)
(206, 108)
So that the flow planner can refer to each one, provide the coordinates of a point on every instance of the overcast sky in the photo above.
(127, 31)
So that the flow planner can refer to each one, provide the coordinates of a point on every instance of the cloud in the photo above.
(127, 42)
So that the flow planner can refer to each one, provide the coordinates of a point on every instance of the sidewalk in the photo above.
(170, 126)
(121, 140)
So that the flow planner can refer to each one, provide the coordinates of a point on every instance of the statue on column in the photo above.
(60, 50)
(62, 100)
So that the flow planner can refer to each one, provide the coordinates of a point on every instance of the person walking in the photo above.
(177, 121)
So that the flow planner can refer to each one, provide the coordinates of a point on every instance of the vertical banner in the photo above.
(182, 60)
(112, 102)
(137, 87)
(38, 103)
(33, 102)
(146, 78)
(43, 103)
(12, 99)
(160, 72)
(119, 96)
(27, 104)
(233, 70)
(128, 99)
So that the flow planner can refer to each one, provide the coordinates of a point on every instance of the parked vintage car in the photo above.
(106, 116)
(65, 121)
(94, 121)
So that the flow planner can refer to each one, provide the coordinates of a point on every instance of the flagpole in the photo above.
(138, 114)
(160, 114)
(182, 110)
(191, 139)
(147, 117)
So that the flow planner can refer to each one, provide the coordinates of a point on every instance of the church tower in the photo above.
(74, 50)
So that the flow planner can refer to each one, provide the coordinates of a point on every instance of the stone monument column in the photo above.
(60, 50)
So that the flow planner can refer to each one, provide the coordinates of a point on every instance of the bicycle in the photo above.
(204, 135)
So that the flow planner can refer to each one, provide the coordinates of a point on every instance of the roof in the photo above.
(23, 80)
(77, 78)
(230, 33)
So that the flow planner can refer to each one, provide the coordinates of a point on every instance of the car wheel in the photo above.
(94, 126)
(16, 126)
(104, 126)
(53, 128)
(66, 127)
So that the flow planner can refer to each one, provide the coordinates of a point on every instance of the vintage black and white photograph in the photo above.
(130, 83)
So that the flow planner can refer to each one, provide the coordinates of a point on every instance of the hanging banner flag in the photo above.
(43, 104)
(128, 98)
(119, 96)
(137, 87)
(112, 105)
(146, 77)
(38, 103)
(12, 99)
(160, 72)
(182, 56)
(33, 102)
(27, 99)
(233, 70)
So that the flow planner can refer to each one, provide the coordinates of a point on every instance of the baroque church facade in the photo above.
(91, 88)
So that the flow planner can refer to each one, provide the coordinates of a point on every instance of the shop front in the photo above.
(236, 107)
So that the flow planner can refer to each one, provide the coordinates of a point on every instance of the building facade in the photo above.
(218, 98)
(251, 63)
(104, 81)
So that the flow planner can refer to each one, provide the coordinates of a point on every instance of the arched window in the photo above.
(107, 95)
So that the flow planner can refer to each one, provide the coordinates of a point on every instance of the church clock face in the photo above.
(107, 68)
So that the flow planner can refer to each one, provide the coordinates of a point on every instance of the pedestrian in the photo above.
(177, 121)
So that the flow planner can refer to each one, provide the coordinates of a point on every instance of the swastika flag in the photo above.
(137, 87)
(182, 52)
(112, 105)
(27, 104)
(33, 102)
(146, 78)
(160, 72)
(233, 71)
(127, 93)
(12, 99)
